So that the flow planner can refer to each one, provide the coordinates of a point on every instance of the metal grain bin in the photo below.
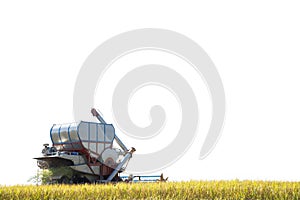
(82, 136)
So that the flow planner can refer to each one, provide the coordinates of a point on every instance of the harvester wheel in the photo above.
(64, 180)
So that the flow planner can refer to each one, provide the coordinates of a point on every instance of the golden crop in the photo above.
(160, 190)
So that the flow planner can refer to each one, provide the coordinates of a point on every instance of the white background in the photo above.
(255, 47)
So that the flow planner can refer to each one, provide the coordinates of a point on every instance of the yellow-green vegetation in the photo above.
(159, 190)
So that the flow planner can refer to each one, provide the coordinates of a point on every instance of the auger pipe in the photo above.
(96, 114)
(120, 143)
(120, 165)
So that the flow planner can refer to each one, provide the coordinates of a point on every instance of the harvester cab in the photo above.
(83, 152)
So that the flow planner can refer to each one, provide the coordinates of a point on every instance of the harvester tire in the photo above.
(64, 180)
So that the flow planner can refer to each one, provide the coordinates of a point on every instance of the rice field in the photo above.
(160, 190)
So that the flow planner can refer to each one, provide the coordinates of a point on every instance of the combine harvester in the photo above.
(83, 153)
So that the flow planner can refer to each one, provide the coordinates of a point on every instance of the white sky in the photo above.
(255, 47)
